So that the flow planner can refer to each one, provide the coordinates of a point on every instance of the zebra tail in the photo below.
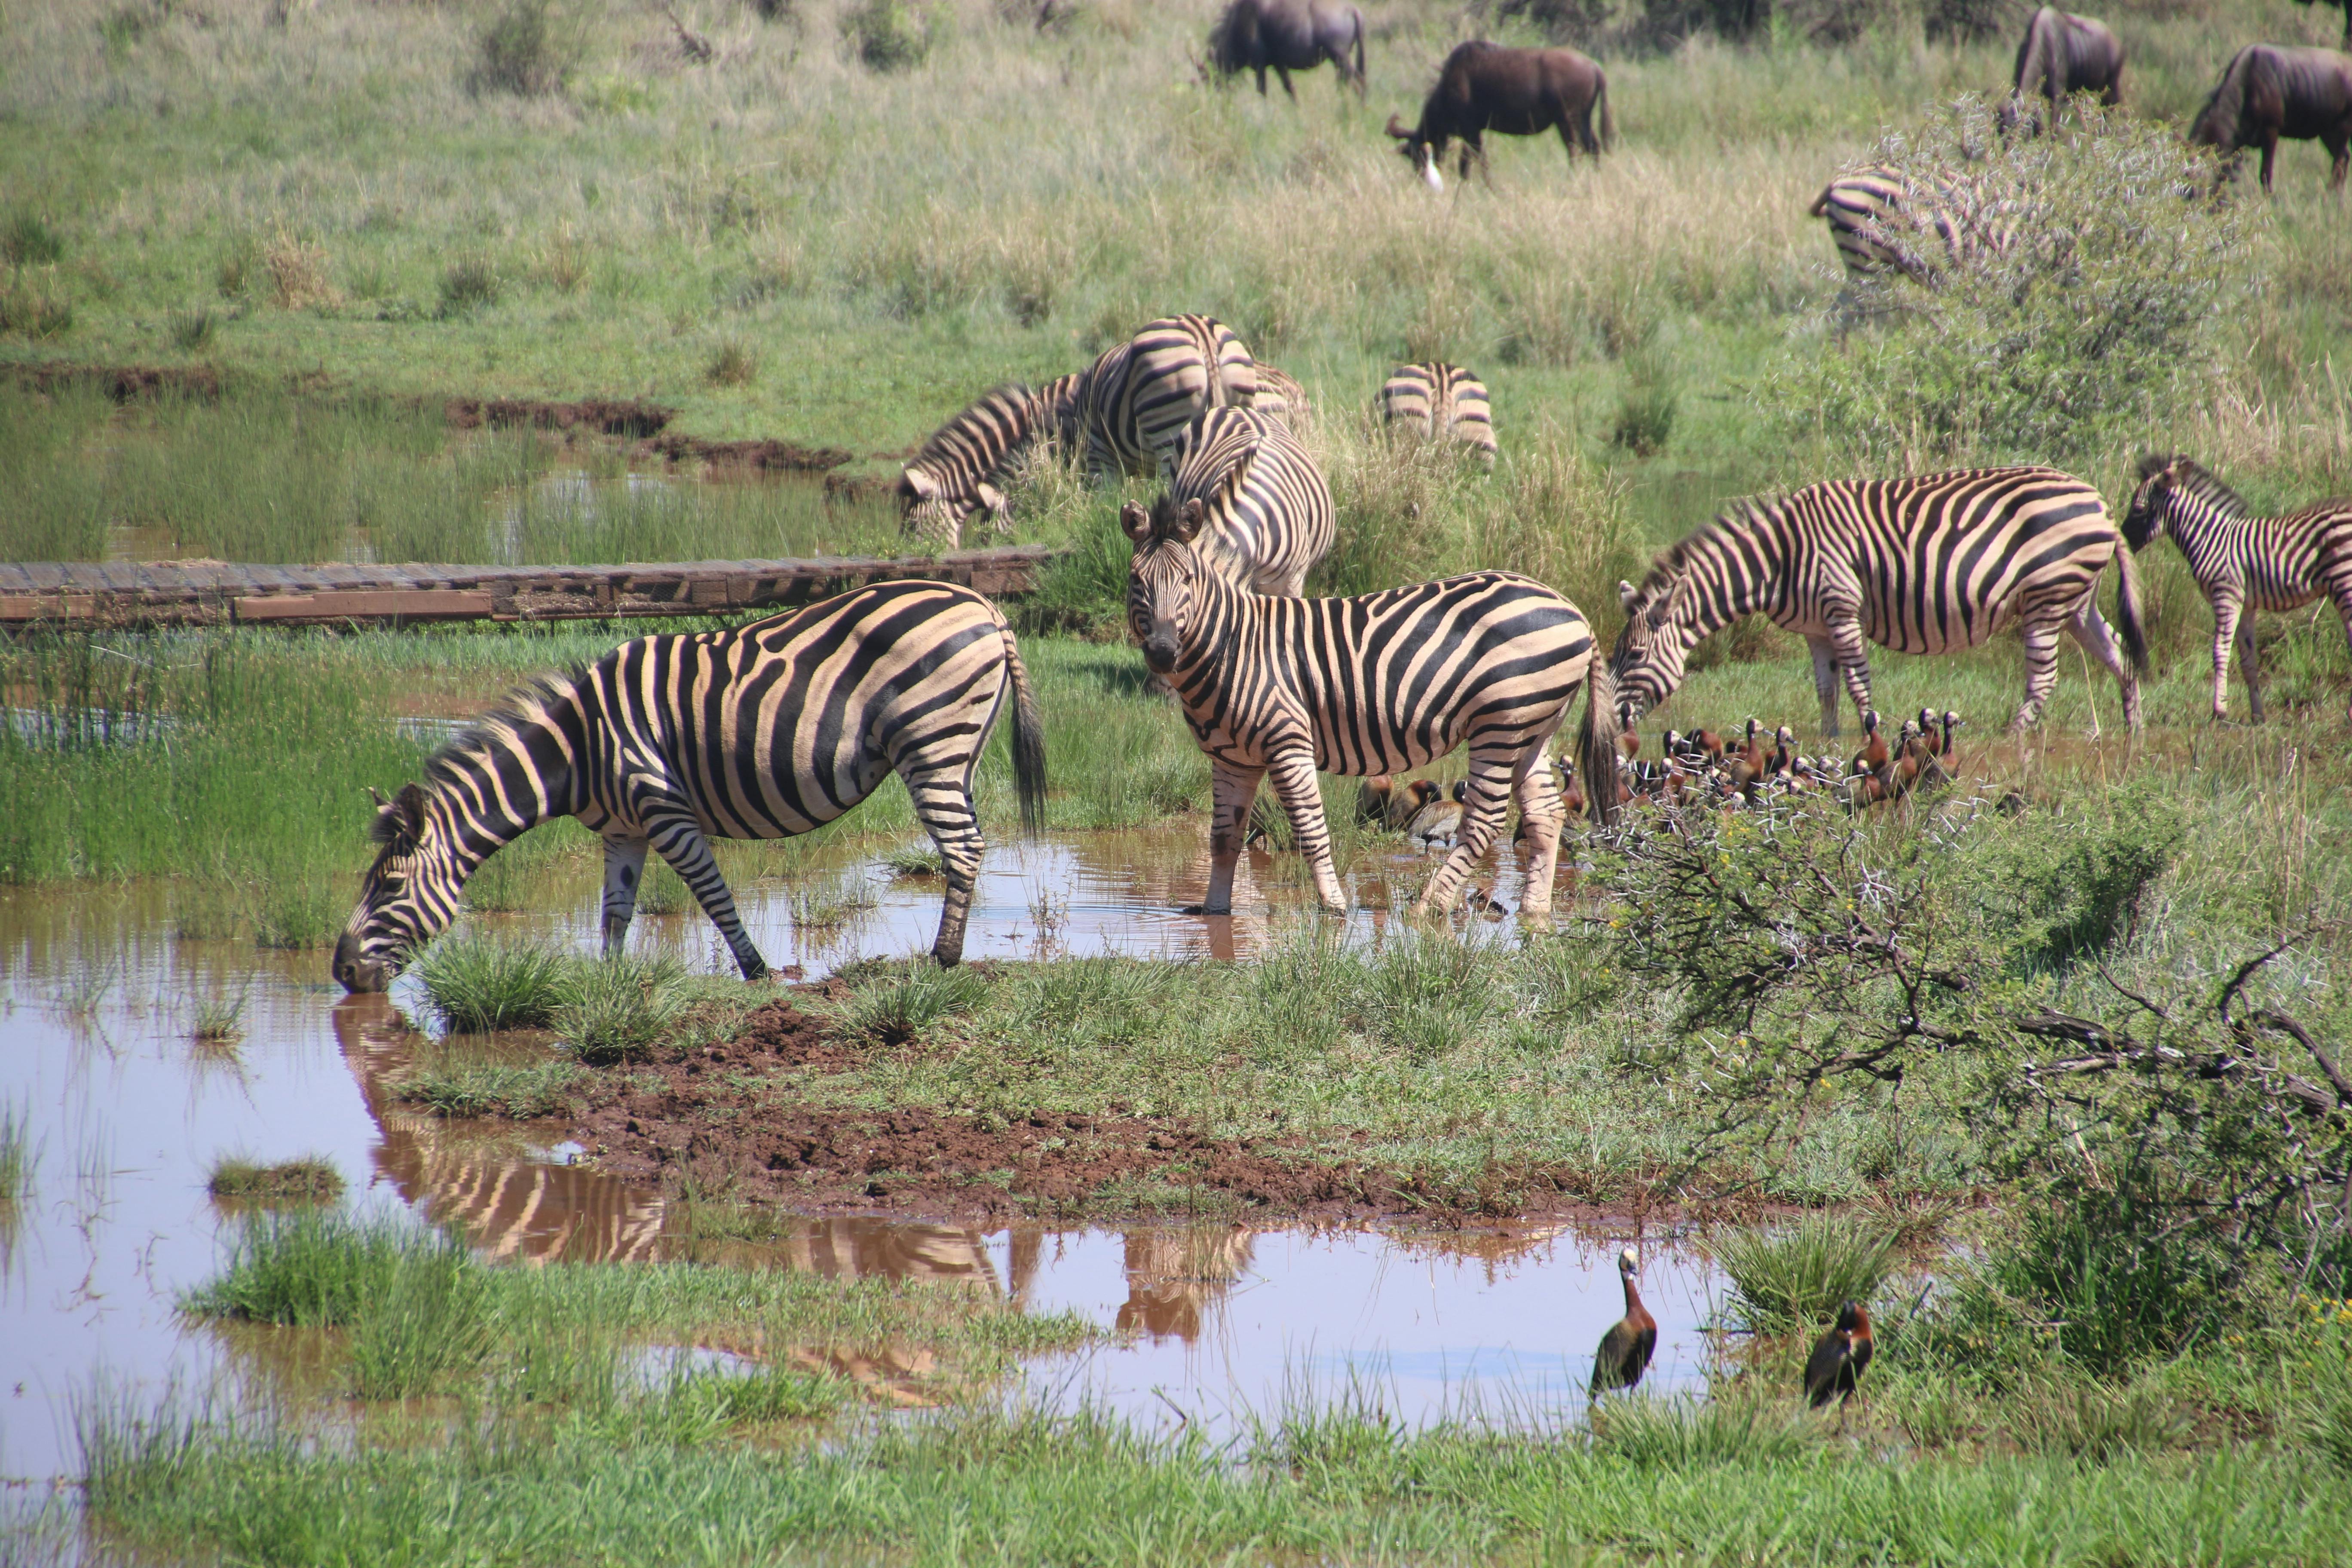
(1608, 122)
(1028, 741)
(1596, 742)
(2129, 619)
(1821, 202)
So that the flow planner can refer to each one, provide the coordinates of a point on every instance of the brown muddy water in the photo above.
(98, 992)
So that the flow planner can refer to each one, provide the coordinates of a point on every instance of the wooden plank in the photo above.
(406, 604)
(47, 606)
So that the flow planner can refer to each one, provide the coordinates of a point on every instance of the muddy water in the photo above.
(129, 1114)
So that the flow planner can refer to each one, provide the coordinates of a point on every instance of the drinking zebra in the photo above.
(1932, 564)
(2242, 562)
(1439, 402)
(954, 478)
(1283, 398)
(763, 730)
(1139, 396)
(1256, 497)
(1382, 683)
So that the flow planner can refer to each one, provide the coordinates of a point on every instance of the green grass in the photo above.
(19, 1155)
(617, 1008)
(491, 1089)
(310, 1179)
(475, 985)
(1798, 1275)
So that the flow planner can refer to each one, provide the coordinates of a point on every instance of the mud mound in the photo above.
(598, 416)
(126, 382)
(762, 456)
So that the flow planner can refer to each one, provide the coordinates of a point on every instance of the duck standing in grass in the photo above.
(1624, 1354)
(1840, 1357)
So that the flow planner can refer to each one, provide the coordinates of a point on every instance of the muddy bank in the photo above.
(738, 1121)
(125, 382)
(756, 456)
(597, 415)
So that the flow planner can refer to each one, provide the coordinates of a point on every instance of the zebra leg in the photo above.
(681, 843)
(1824, 654)
(1853, 657)
(2253, 674)
(1482, 818)
(1540, 808)
(1232, 789)
(2089, 628)
(2041, 640)
(625, 867)
(2227, 609)
(943, 806)
(1293, 775)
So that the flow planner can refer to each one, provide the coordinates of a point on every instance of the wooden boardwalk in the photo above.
(217, 593)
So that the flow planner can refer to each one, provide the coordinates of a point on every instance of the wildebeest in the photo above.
(2061, 54)
(1484, 86)
(2269, 92)
(1289, 35)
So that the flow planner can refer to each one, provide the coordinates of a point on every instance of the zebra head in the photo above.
(2151, 503)
(408, 896)
(1647, 662)
(1161, 577)
(930, 510)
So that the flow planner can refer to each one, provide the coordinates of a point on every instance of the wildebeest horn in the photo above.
(1397, 130)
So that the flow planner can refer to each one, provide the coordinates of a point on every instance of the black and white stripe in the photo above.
(1279, 395)
(1439, 402)
(765, 730)
(1279, 688)
(1882, 222)
(2242, 562)
(1139, 396)
(954, 478)
(1263, 511)
(1933, 564)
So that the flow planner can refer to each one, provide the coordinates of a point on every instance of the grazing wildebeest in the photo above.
(1484, 86)
(1289, 36)
(2269, 92)
(2061, 54)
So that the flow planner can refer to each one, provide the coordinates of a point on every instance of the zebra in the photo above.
(953, 479)
(1280, 395)
(1440, 402)
(1881, 222)
(1931, 564)
(2242, 562)
(1381, 683)
(1137, 397)
(763, 730)
(1261, 505)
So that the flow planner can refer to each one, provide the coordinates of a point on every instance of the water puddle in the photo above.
(99, 993)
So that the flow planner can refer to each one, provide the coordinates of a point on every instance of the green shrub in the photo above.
(478, 984)
(890, 34)
(618, 1009)
(2087, 305)
(2071, 893)
(2115, 1271)
(1797, 1275)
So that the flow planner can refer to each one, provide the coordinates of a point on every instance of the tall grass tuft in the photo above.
(732, 364)
(19, 1153)
(1799, 1276)
(309, 1180)
(434, 1317)
(473, 985)
(26, 239)
(890, 34)
(470, 283)
(2094, 1422)
(218, 1019)
(619, 1008)
(307, 1269)
(899, 1009)
(525, 48)
(1684, 1433)
(35, 304)
(192, 329)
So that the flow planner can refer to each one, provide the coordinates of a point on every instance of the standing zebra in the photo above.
(2242, 562)
(1139, 396)
(1283, 398)
(1378, 684)
(953, 479)
(1440, 402)
(765, 730)
(1260, 503)
(1932, 564)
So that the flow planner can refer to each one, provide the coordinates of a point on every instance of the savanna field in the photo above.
(1104, 1246)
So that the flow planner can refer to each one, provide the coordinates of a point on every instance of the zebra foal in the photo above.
(2242, 562)
(763, 730)
(953, 479)
(1381, 683)
(1932, 564)
(1440, 402)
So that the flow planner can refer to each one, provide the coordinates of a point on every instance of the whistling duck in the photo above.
(1624, 1354)
(1372, 798)
(1873, 755)
(1438, 821)
(1840, 1357)
(1408, 802)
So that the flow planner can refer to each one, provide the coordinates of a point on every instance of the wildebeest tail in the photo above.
(1028, 741)
(1596, 741)
(1363, 83)
(2129, 618)
(1600, 102)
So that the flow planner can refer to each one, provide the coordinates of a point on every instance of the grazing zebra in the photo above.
(1440, 402)
(1283, 398)
(763, 730)
(1932, 564)
(1139, 396)
(1377, 684)
(2242, 562)
(1880, 222)
(953, 477)
(1260, 504)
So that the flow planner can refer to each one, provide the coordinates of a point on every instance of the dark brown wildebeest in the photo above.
(1484, 86)
(1289, 36)
(2061, 54)
(2269, 92)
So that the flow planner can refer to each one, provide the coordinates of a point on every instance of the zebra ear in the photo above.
(1625, 596)
(922, 483)
(1188, 521)
(400, 822)
(1136, 522)
(992, 499)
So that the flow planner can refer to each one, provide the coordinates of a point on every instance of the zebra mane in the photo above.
(2201, 485)
(1673, 568)
(526, 705)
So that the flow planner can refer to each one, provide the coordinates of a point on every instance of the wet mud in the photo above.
(757, 456)
(125, 382)
(596, 416)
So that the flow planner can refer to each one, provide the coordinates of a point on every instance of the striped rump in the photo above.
(1439, 402)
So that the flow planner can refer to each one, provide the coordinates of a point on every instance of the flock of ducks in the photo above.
(1833, 1370)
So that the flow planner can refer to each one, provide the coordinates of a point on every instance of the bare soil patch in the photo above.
(759, 456)
(602, 416)
(126, 382)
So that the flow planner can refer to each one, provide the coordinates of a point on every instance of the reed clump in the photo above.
(311, 1179)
